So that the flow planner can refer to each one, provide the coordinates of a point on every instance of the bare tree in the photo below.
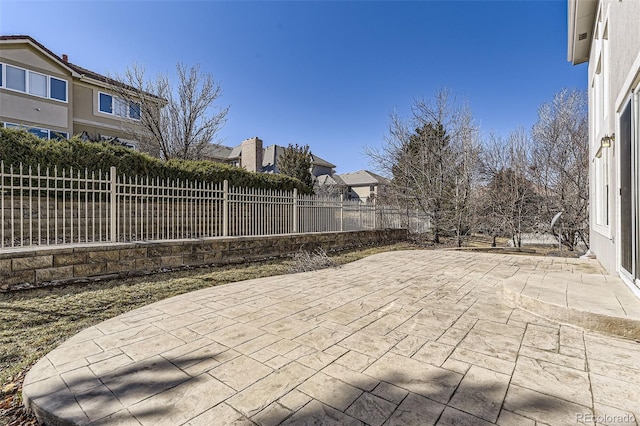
(510, 202)
(561, 164)
(326, 188)
(169, 121)
(433, 160)
(466, 173)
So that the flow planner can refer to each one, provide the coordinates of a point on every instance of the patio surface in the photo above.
(414, 337)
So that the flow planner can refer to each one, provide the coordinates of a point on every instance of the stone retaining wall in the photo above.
(31, 267)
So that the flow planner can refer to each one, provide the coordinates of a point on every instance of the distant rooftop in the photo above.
(269, 156)
(363, 177)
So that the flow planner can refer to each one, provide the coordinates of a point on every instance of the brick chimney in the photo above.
(251, 156)
(65, 58)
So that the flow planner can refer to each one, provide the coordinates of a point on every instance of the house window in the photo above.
(39, 132)
(598, 99)
(602, 190)
(134, 111)
(58, 135)
(16, 79)
(58, 89)
(33, 83)
(372, 188)
(38, 84)
(106, 102)
(117, 106)
(605, 72)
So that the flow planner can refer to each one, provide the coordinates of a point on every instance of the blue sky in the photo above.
(325, 74)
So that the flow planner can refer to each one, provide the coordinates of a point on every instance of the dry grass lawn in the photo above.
(34, 322)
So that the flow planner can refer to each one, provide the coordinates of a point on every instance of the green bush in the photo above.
(19, 146)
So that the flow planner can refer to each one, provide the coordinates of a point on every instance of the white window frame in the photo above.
(66, 89)
(114, 100)
(27, 83)
(605, 75)
(603, 193)
(8, 125)
(46, 84)
(602, 190)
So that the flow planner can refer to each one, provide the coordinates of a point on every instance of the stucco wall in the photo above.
(362, 192)
(623, 47)
(33, 110)
(605, 250)
(20, 54)
(624, 41)
(38, 267)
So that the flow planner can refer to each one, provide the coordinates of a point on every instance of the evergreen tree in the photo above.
(296, 162)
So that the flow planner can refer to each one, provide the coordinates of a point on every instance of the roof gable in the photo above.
(363, 177)
(76, 71)
(34, 45)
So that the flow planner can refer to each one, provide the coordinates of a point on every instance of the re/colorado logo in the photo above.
(605, 418)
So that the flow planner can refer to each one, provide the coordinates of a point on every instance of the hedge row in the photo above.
(19, 146)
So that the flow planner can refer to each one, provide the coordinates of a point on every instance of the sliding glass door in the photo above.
(629, 211)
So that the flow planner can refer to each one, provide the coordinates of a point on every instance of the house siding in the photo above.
(87, 117)
(624, 38)
(321, 170)
(29, 110)
(78, 114)
(32, 111)
(16, 54)
(622, 52)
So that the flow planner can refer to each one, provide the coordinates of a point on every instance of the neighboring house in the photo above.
(606, 34)
(364, 185)
(54, 98)
(329, 186)
(320, 167)
(251, 155)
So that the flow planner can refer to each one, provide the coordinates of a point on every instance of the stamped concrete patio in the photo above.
(415, 337)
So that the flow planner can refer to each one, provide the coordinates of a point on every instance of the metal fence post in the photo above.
(225, 208)
(375, 213)
(295, 210)
(113, 204)
(341, 212)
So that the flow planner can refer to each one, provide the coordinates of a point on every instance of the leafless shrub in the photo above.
(304, 261)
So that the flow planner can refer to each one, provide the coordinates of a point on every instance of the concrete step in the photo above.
(596, 302)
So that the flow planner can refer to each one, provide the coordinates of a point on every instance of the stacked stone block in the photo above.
(42, 266)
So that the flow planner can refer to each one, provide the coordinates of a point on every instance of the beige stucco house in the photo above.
(606, 34)
(54, 98)
(364, 186)
(253, 156)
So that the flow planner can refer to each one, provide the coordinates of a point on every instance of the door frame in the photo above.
(630, 277)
